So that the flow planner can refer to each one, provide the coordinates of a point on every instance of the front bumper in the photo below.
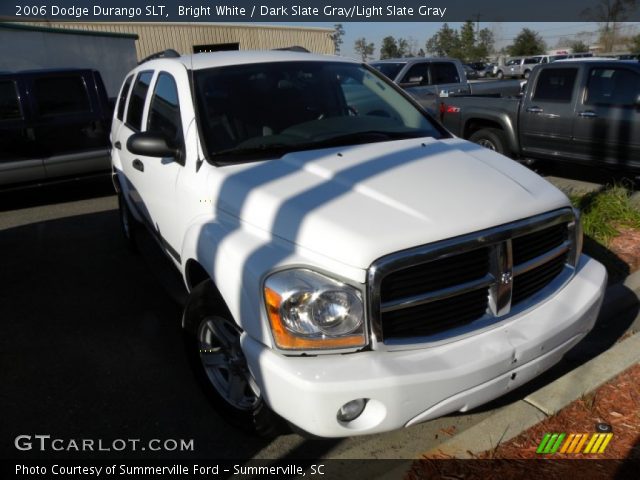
(408, 387)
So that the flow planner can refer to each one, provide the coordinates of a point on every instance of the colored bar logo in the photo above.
(574, 443)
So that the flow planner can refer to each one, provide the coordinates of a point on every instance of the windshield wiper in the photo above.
(277, 150)
(264, 150)
(368, 136)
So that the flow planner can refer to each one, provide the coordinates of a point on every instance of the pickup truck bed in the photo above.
(428, 79)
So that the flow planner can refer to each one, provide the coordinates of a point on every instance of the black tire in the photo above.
(212, 340)
(128, 224)
(500, 75)
(526, 74)
(491, 138)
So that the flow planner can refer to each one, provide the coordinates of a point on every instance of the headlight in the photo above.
(311, 311)
(575, 235)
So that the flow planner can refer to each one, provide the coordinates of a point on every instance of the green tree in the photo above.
(609, 13)
(336, 36)
(404, 49)
(527, 42)
(392, 48)
(389, 48)
(634, 44)
(445, 43)
(579, 47)
(484, 44)
(364, 49)
(467, 46)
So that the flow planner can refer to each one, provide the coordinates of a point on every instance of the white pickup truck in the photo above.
(352, 267)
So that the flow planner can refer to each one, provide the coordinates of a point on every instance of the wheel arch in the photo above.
(501, 122)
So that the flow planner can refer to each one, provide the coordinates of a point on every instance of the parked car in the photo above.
(53, 124)
(628, 56)
(580, 55)
(469, 72)
(580, 110)
(427, 79)
(347, 266)
(520, 67)
(482, 69)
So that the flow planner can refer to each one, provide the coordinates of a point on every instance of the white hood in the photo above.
(355, 204)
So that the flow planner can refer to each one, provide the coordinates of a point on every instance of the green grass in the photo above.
(605, 211)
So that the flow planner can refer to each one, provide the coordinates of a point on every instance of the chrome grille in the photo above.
(459, 285)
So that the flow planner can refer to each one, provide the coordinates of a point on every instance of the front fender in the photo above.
(238, 257)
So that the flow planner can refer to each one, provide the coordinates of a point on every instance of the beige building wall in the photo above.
(155, 37)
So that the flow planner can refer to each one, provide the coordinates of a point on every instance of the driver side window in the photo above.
(417, 73)
(164, 111)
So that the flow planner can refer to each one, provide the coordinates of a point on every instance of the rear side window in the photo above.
(556, 85)
(9, 104)
(136, 102)
(164, 112)
(612, 86)
(444, 72)
(122, 100)
(61, 95)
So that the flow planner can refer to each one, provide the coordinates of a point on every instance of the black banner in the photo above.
(322, 469)
(248, 11)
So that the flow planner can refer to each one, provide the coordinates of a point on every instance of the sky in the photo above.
(504, 32)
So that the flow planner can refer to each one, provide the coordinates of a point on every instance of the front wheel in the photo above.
(491, 138)
(212, 338)
(500, 75)
(526, 74)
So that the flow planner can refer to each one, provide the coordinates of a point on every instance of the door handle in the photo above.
(118, 145)
(588, 114)
(534, 110)
(138, 165)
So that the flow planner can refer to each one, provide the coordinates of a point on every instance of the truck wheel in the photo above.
(128, 224)
(500, 75)
(526, 74)
(212, 339)
(491, 138)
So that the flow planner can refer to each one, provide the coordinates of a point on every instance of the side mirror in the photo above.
(152, 144)
(412, 82)
(523, 87)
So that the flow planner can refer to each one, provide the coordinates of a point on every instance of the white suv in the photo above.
(352, 267)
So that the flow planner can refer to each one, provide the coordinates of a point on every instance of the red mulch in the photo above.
(616, 403)
(627, 247)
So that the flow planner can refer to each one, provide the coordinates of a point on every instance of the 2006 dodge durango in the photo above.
(352, 267)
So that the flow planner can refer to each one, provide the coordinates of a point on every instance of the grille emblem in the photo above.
(506, 278)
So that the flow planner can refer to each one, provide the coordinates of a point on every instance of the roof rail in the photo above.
(169, 53)
(294, 48)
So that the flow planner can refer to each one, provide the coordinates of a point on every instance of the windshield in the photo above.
(265, 110)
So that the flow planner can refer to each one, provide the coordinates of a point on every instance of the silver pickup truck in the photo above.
(428, 79)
